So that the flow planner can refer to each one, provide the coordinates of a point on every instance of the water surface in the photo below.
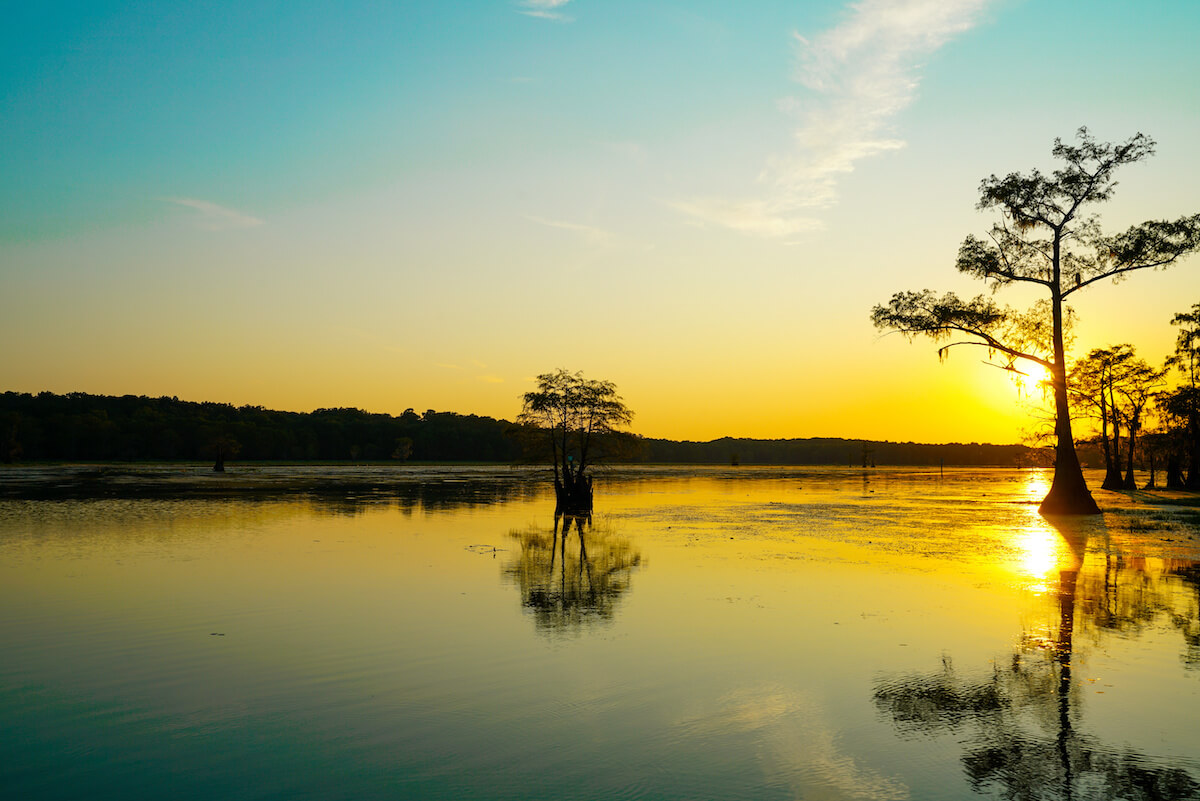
(336, 633)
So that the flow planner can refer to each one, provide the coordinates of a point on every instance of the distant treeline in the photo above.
(82, 427)
(77, 426)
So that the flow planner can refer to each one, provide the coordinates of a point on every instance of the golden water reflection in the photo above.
(1043, 553)
(1023, 725)
(1045, 549)
(805, 633)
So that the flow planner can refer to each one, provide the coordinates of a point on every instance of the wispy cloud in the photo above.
(860, 75)
(591, 233)
(544, 9)
(765, 217)
(212, 217)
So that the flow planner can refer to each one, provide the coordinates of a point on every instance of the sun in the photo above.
(1031, 378)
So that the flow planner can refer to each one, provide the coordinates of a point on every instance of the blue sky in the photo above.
(392, 205)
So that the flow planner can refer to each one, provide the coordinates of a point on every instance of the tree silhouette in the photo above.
(1091, 380)
(1044, 239)
(1141, 383)
(1114, 386)
(1182, 405)
(578, 419)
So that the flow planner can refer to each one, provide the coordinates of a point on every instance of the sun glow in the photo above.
(1031, 378)
(1041, 551)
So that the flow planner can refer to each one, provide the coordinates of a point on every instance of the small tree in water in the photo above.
(575, 416)
(1043, 239)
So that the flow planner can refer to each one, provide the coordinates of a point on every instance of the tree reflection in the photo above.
(568, 588)
(1189, 624)
(1020, 725)
(1132, 593)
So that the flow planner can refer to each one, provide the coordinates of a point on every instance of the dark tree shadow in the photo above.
(1020, 725)
(572, 583)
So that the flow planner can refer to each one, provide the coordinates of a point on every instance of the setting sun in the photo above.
(1031, 378)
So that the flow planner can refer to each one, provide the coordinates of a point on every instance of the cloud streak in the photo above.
(544, 9)
(592, 234)
(860, 74)
(213, 217)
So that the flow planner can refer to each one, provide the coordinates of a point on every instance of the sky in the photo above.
(426, 205)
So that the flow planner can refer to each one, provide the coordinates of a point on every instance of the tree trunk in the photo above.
(1130, 483)
(573, 494)
(1113, 479)
(1193, 476)
(1174, 473)
(1068, 494)
(1112, 475)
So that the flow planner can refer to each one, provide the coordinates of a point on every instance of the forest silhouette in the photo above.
(83, 427)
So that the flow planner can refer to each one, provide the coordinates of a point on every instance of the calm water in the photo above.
(711, 634)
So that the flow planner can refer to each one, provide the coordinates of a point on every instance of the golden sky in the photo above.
(427, 208)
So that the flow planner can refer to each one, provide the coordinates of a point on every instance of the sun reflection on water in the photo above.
(1042, 552)
(1036, 485)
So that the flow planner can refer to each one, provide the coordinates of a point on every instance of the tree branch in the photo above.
(992, 344)
(1119, 271)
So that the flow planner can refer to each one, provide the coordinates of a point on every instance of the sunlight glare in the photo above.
(1031, 378)
(1036, 484)
(1041, 550)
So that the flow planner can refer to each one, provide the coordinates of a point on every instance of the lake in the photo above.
(711, 633)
